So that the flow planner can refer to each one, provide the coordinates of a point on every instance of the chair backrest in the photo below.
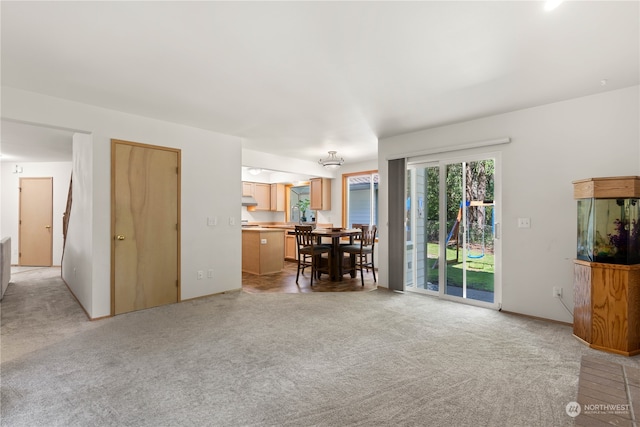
(368, 237)
(359, 227)
(304, 235)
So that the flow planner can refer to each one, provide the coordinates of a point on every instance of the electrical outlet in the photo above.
(263, 241)
(524, 222)
(557, 292)
(212, 221)
(200, 274)
(232, 220)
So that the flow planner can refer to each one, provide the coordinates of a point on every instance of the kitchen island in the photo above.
(262, 250)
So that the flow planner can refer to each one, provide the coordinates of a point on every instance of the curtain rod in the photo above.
(451, 148)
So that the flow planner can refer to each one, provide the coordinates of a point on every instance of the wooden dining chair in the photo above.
(310, 252)
(361, 250)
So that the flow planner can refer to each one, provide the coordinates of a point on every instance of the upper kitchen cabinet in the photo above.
(247, 188)
(261, 192)
(277, 197)
(320, 194)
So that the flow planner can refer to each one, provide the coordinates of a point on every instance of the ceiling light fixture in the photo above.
(331, 162)
(255, 171)
(549, 5)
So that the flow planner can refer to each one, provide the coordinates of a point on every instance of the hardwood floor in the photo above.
(608, 392)
(285, 282)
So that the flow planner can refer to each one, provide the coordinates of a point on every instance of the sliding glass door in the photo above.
(423, 228)
(451, 228)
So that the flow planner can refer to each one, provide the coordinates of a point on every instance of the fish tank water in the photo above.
(608, 230)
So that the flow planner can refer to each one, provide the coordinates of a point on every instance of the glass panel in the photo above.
(586, 241)
(429, 212)
(422, 223)
(409, 282)
(470, 221)
(454, 243)
(359, 200)
(615, 223)
(362, 199)
(299, 205)
(480, 230)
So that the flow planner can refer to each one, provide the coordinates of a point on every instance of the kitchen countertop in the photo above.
(262, 229)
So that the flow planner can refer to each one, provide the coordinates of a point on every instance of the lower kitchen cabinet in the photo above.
(262, 250)
(290, 247)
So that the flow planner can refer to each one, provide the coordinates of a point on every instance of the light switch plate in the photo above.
(524, 222)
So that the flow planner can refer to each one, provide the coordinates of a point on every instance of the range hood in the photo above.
(249, 201)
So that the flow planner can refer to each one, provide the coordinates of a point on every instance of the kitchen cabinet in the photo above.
(277, 198)
(320, 194)
(290, 247)
(259, 191)
(247, 188)
(262, 250)
(262, 194)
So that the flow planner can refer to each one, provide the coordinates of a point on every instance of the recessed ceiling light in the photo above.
(549, 5)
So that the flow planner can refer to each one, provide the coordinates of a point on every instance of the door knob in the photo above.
(120, 237)
(47, 226)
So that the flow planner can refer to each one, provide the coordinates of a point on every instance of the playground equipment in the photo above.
(454, 233)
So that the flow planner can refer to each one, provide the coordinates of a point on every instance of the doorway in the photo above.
(452, 246)
(145, 201)
(35, 247)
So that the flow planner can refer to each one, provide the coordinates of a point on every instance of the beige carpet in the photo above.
(331, 359)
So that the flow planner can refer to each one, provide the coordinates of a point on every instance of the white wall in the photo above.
(60, 172)
(77, 266)
(211, 176)
(551, 146)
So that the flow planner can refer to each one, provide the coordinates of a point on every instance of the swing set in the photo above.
(453, 236)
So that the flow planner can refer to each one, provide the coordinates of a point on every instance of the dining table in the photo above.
(336, 235)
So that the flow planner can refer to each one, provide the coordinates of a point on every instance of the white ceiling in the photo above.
(301, 78)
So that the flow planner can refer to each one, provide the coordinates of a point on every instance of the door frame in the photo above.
(178, 152)
(442, 160)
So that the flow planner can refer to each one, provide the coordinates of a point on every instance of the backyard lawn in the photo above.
(479, 270)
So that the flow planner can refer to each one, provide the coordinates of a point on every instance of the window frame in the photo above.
(345, 190)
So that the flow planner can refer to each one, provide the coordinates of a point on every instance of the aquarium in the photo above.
(608, 230)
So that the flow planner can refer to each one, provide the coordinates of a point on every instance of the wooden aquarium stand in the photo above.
(607, 306)
(607, 296)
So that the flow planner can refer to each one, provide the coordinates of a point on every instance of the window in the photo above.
(295, 196)
(360, 198)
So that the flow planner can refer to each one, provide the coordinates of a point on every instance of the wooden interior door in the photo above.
(36, 221)
(145, 203)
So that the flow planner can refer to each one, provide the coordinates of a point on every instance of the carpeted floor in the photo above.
(324, 359)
